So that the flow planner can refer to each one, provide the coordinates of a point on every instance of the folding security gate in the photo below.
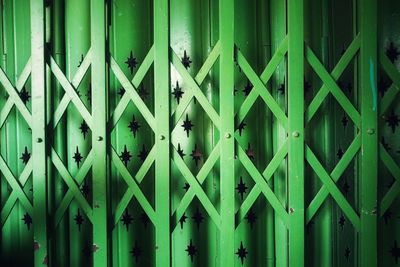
(200, 133)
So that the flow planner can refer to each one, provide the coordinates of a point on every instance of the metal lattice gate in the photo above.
(200, 133)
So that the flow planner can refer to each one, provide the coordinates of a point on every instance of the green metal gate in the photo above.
(200, 133)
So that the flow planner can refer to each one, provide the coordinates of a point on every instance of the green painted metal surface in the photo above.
(199, 133)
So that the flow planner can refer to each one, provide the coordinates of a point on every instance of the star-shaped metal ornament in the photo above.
(191, 250)
(79, 220)
(347, 253)
(136, 252)
(251, 218)
(24, 95)
(241, 127)
(25, 156)
(182, 220)
(395, 252)
(125, 156)
(383, 86)
(342, 221)
(241, 188)
(84, 128)
(393, 121)
(392, 52)
(85, 189)
(134, 126)
(143, 153)
(77, 157)
(126, 219)
(198, 218)
(247, 88)
(196, 155)
(177, 92)
(27, 220)
(180, 151)
(187, 125)
(186, 60)
(340, 153)
(241, 253)
(131, 62)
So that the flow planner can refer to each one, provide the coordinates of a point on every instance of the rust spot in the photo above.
(36, 246)
(45, 260)
(374, 211)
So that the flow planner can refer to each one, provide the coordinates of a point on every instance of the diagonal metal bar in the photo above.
(133, 94)
(337, 172)
(332, 189)
(10, 202)
(76, 80)
(15, 97)
(265, 76)
(327, 79)
(16, 186)
(201, 176)
(394, 169)
(256, 190)
(20, 83)
(197, 189)
(133, 186)
(275, 60)
(122, 104)
(336, 73)
(71, 93)
(201, 75)
(394, 75)
(261, 90)
(144, 168)
(263, 185)
(80, 176)
(71, 183)
(194, 86)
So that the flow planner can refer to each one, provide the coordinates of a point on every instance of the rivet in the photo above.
(162, 137)
(227, 135)
(370, 131)
(296, 134)
(99, 138)
(291, 210)
(39, 140)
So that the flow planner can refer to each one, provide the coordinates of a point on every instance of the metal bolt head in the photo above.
(162, 137)
(39, 140)
(291, 210)
(227, 135)
(99, 138)
(370, 131)
(295, 134)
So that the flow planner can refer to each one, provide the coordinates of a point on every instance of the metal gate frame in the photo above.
(295, 216)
